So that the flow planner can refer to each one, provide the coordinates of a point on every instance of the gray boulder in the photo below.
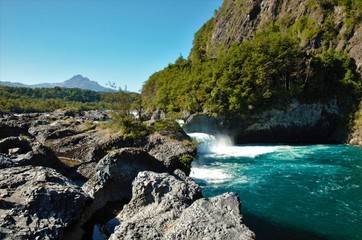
(95, 115)
(211, 218)
(169, 147)
(116, 171)
(114, 175)
(165, 206)
(38, 203)
(158, 199)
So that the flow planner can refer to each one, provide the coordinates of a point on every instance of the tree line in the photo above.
(271, 69)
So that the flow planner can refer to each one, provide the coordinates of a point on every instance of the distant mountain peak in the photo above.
(78, 77)
(77, 81)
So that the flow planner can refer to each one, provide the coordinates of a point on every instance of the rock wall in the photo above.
(239, 20)
(355, 137)
(296, 123)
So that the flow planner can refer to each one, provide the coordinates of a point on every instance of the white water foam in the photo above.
(209, 175)
(221, 146)
(241, 151)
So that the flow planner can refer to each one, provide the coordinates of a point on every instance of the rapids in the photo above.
(287, 191)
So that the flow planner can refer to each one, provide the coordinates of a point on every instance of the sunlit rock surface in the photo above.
(163, 206)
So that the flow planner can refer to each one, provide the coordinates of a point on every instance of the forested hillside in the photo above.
(256, 54)
(24, 100)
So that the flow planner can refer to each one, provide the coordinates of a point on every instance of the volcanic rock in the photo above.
(38, 203)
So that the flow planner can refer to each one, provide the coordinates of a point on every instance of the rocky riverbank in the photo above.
(295, 123)
(66, 176)
(355, 137)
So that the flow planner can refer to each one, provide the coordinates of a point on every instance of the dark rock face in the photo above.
(15, 151)
(169, 148)
(163, 207)
(202, 123)
(114, 175)
(240, 20)
(299, 123)
(116, 171)
(38, 202)
(295, 123)
(355, 137)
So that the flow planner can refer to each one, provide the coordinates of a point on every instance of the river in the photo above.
(287, 191)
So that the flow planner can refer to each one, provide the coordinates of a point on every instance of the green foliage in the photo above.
(120, 104)
(287, 59)
(133, 129)
(20, 100)
(305, 29)
(186, 161)
(169, 125)
(201, 40)
(333, 75)
(253, 73)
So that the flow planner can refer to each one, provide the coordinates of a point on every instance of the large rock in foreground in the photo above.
(165, 206)
(212, 218)
(38, 202)
(116, 171)
(114, 176)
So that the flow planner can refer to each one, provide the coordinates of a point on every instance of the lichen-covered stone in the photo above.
(165, 206)
(38, 202)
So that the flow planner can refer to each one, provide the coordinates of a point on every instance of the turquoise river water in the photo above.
(287, 192)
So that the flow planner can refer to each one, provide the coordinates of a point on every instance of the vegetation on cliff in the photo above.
(264, 61)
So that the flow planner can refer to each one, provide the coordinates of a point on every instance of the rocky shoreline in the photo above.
(296, 123)
(113, 187)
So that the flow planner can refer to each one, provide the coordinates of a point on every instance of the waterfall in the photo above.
(220, 146)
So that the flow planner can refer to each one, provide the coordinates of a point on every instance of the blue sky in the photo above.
(122, 41)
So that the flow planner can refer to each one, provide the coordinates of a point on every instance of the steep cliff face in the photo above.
(318, 28)
(297, 123)
(317, 24)
(294, 123)
(356, 136)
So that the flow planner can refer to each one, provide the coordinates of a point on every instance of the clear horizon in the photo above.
(122, 42)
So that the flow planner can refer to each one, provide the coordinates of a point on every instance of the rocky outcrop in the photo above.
(112, 181)
(116, 171)
(17, 151)
(169, 147)
(314, 122)
(200, 122)
(74, 139)
(355, 137)
(295, 123)
(212, 218)
(240, 20)
(163, 207)
(15, 125)
(38, 203)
